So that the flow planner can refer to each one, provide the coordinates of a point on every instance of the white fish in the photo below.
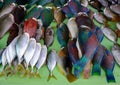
(116, 53)
(7, 9)
(104, 3)
(73, 28)
(115, 8)
(109, 34)
(30, 51)
(118, 25)
(36, 55)
(21, 46)
(51, 63)
(42, 57)
(79, 49)
(5, 23)
(4, 59)
(9, 60)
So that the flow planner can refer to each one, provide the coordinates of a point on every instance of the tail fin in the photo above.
(2, 74)
(51, 76)
(37, 75)
(96, 70)
(110, 77)
(71, 78)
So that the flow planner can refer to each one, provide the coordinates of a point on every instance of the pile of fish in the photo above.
(29, 21)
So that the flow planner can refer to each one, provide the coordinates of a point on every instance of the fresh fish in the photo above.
(36, 55)
(51, 63)
(73, 29)
(30, 51)
(63, 35)
(104, 3)
(30, 26)
(4, 59)
(100, 18)
(6, 22)
(49, 36)
(115, 8)
(42, 58)
(79, 49)
(118, 25)
(109, 34)
(7, 9)
(84, 3)
(110, 15)
(21, 46)
(116, 53)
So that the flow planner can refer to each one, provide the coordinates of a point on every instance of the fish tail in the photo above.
(96, 69)
(37, 74)
(61, 70)
(106, 23)
(9, 71)
(71, 78)
(2, 74)
(110, 77)
(51, 76)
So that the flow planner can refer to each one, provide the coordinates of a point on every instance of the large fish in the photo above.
(7, 9)
(116, 53)
(51, 63)
(6, 22)
(36, 55)
(42, 58)
(73, 29)
(29, 51)
(115, 8)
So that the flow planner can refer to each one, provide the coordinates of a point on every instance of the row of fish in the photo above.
(23, 52)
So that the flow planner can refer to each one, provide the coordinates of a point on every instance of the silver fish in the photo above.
(100, 18)
(6, 22)
(118, 25)
(109, 34)
(9, 60)
(36, 55)
(7, 9)
(21, 46)
(104, 3)
(73, 28)
(51, 63)
(116, 53)
(115, 8)
(4, 59)
(30, 51)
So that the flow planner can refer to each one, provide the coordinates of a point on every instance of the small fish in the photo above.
(42, 59)
(118, 25)
(29, 51)
(21, 46)
(35, 57)
(115, 8)
(7, 9)
(104, 3)
(51, 63)
(110, 15)
(49, 36)
(116, 53)
(63, 35)
(30, 26)
(73, 29)
(109, 34)
(6, 22)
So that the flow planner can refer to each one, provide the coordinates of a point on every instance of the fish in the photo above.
(84, 3)
(7, 9)
(118, 25)
(115, 8)
(79, 49)
(41, 59)
(116, 53)
(110, 15)
(51, 63)
(72, 27)
(28, 55)
(30, 26)
(104, 3)
(62, 34)
(35, 57)
(108, 64)
(49, 37)
(59, 16)
(6, 22)
(109, 34)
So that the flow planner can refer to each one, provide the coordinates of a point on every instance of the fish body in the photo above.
(104, 3)
(4, 59)
(115, 8)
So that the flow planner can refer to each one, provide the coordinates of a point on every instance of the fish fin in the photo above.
(71, 78)
(51, 76)
(8, 71)
(37, 75)
(96, 69)
(110, 77)
(2, 74)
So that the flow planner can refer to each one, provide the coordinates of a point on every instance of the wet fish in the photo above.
(4, 59)
(49, 36)
(36, 55)
(29, 51)
(109, 34)
(116, 53)
(73, 29)
(115, 8)
(42, 58)
(84, 3)
(6, 22)
(7, 9)
(104, 3)
(51, 63)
